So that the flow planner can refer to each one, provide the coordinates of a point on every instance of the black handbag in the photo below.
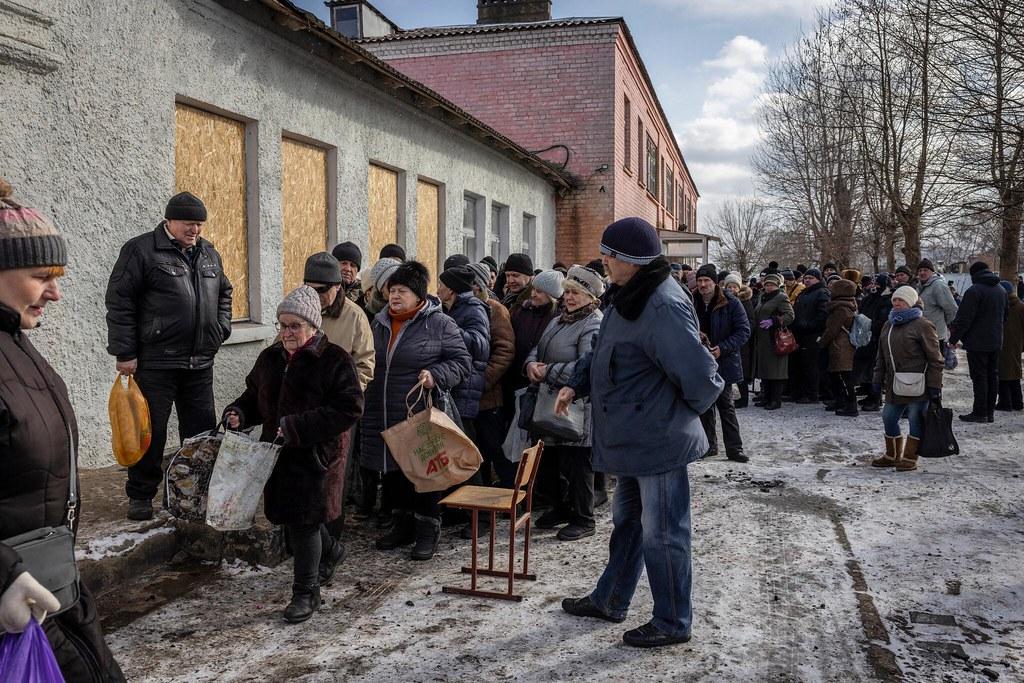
(48, 553)
(527, 404)
(938, 440)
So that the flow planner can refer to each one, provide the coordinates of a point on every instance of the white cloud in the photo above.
(745, 8)
(717, 144)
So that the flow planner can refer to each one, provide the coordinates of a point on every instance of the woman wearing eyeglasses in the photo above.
(305, 391)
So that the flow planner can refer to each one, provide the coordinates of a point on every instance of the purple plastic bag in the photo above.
(27, 657)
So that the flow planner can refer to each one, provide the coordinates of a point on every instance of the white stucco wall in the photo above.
(91, 143)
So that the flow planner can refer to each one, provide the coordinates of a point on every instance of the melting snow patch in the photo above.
(120, 543)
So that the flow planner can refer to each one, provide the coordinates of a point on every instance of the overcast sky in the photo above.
(707, 59)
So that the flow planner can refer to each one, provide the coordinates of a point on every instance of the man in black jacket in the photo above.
(979, 324)
(168, 312)
(811, 312)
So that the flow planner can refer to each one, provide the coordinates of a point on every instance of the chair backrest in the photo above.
(528, 465)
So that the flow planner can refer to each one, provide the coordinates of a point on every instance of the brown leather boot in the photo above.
(908, 461)
(893, 449)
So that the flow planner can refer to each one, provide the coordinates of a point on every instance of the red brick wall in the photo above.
(631, 199)
(543, 95)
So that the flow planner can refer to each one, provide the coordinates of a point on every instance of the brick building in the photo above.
(576, 92)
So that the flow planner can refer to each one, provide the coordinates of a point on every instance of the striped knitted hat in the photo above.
(632, 240)
(27, 238)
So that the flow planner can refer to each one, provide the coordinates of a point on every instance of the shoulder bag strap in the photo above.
(73, 479)
(888, 341)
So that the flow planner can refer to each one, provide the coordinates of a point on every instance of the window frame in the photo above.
(627, 135)
(652, 167)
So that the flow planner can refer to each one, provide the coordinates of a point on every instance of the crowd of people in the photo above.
(653, 351)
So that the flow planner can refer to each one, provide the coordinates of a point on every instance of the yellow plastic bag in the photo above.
(129, 421)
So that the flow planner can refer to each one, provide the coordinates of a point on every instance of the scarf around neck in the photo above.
(905, 316)
(579, 314)
(631, 299)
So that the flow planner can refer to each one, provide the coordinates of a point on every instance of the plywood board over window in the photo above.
(209, 162)
(383, 208)
(304, 200)
(427, 228)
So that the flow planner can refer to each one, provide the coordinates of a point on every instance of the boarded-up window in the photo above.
(427, 228)
(383, 190)
(304, 205)
(209, 162)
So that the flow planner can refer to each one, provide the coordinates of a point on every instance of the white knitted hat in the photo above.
(549, 282)
(907, 293)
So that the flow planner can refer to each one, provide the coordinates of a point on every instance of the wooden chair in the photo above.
(498, 501)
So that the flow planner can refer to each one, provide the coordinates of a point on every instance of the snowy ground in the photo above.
(808, 566)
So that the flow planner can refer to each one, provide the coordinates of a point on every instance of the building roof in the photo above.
(380, 74)
(471, 29)
(568, 22)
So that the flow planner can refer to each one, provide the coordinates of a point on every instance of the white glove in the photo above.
(25, 598)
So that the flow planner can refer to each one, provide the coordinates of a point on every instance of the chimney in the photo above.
(512, 11)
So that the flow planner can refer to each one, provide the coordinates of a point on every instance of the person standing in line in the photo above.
(937, 300)
(455, 290)
(168, 312)
(518, 272)
(415, 343)
(721, 317)
(903, 276)
(38, 439)
(491, 425)
(350, 260)
(552, 362)
(1010, 397)
(810, 313)
(876, 305)
(908, 344)
(979, 324)
(772, 313)
(734, 285)
(842, 309)
(649, 378)
(534, 307)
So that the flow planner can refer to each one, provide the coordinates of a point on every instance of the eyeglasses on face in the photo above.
(293, 328)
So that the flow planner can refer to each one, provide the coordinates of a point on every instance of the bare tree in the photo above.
(745, 230)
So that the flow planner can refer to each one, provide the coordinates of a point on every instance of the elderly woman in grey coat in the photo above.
(552, 362)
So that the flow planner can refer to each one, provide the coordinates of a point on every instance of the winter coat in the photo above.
(915, 348)
(811, 312)
(36, 420)
(165, 310)
(729, 329)
(313, 398)
(836, 338)
(430, 341)
(1013, 341)
(473, 318)
(528, 323)
(938, 304)
(795, 290)
(560, 347)
(767, 365)
(345, 324)
(503, 348)
(746, 297)
(875, 306)
(979, 320)
(649, 379)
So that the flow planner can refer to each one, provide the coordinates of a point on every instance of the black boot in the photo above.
(847, 408)
(403, 532)
(428, 533)
(871, 404)
(329, 561)
(305, 601)
(774, 394)
(744, 399)
(600, 489)
(1004, 401)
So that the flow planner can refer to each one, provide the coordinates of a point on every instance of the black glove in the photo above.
(934, 393)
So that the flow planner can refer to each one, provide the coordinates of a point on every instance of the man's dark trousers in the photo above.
(191, 393)
(730, 425)
(983, 367)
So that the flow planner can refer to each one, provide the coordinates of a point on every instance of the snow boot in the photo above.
(893, 449)
(908, 461)
(402, 532)
(871, 404)
(330, 560)
(847, 408)
(305, 601)
(428, 533)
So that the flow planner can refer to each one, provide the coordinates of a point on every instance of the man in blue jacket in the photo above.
(979, 324)
(649, 379)
(722, 319)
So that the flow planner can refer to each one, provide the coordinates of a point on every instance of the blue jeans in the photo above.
(651, 518)
(892, 413)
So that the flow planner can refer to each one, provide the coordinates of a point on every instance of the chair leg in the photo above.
(526, 545)
(475, 529)
(490, 550)
(511, 555)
